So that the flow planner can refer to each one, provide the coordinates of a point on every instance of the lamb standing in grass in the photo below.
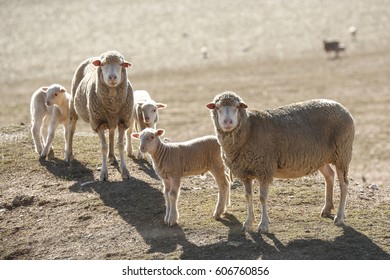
(145, 115)
(288, 142)
(49, 108)
(171, 161)
(102, 96)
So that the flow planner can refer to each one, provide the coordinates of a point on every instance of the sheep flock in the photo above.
(290, 141)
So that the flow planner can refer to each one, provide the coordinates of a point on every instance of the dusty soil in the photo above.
(52, 210)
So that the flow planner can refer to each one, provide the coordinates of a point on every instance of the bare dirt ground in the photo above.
(50, 210)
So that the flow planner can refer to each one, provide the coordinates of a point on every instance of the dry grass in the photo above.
(269, 53)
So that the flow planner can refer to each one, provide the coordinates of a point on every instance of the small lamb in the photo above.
(145, 115)
(49, 108)
(172, 161)
(287, 142)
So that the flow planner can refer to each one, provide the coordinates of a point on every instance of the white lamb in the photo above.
(145, 115)
(172, 161)
(49, 108)
(287, 142)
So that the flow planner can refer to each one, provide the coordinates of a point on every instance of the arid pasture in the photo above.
(269, 53)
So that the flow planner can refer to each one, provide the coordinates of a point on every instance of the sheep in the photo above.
(145, 115)
(287, 142)
(333, 46)
(172, 161)
(49, 109)
(103, 96)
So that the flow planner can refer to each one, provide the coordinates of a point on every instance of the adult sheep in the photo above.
(103, 96)
(145, 115)
(287, 142)
(172, 161)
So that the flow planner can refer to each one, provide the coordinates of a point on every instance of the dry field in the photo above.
(269, 53)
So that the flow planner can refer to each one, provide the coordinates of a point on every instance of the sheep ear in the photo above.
(160, 132)
(211, 106)
(97, 62)
(243, 105)
(135, 135)
(161, 105)
(126, 64)
(44, 89)
(62, 89)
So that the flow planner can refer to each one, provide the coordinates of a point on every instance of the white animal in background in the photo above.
(49, 108)
(172, 161)
(287, 142)
(145, 115)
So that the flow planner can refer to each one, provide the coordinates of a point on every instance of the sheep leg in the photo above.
(72, 129)
(36, 133)
(248, 225)
(167, 188)
(45, 128)
(342, 175)
(264, 224)
(121, 147)
(173, 196)
(129, 144)
(66, 133)
(50, 137)
(328, 174)
(111, 152)
(104, 150)
(223, 192)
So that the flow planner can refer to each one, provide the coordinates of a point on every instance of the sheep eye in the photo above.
(151, 137)
(154, 110)
(55, 94)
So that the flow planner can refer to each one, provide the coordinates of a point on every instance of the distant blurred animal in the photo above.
(353, 31)
(333, 46)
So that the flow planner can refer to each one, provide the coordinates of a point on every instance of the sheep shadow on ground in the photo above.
(145, 166)
(351, 245)
(143, 207)
(61, 169)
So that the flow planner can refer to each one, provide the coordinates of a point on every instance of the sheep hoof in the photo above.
(50, 155)
(218, 214)
(338, 221)
(247, 227)
(113, 160)
(263, 229)
(125, 174)
(325, 213)
(69, 158)
(172, 223)
(103, 175)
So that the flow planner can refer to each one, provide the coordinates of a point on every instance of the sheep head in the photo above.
(149, 139)
(149, 111)
(225, 110)
(111, 65)
(54, 94)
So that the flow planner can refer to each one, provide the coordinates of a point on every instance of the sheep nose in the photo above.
(228, 121)
(48, 103)
(112, 77)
